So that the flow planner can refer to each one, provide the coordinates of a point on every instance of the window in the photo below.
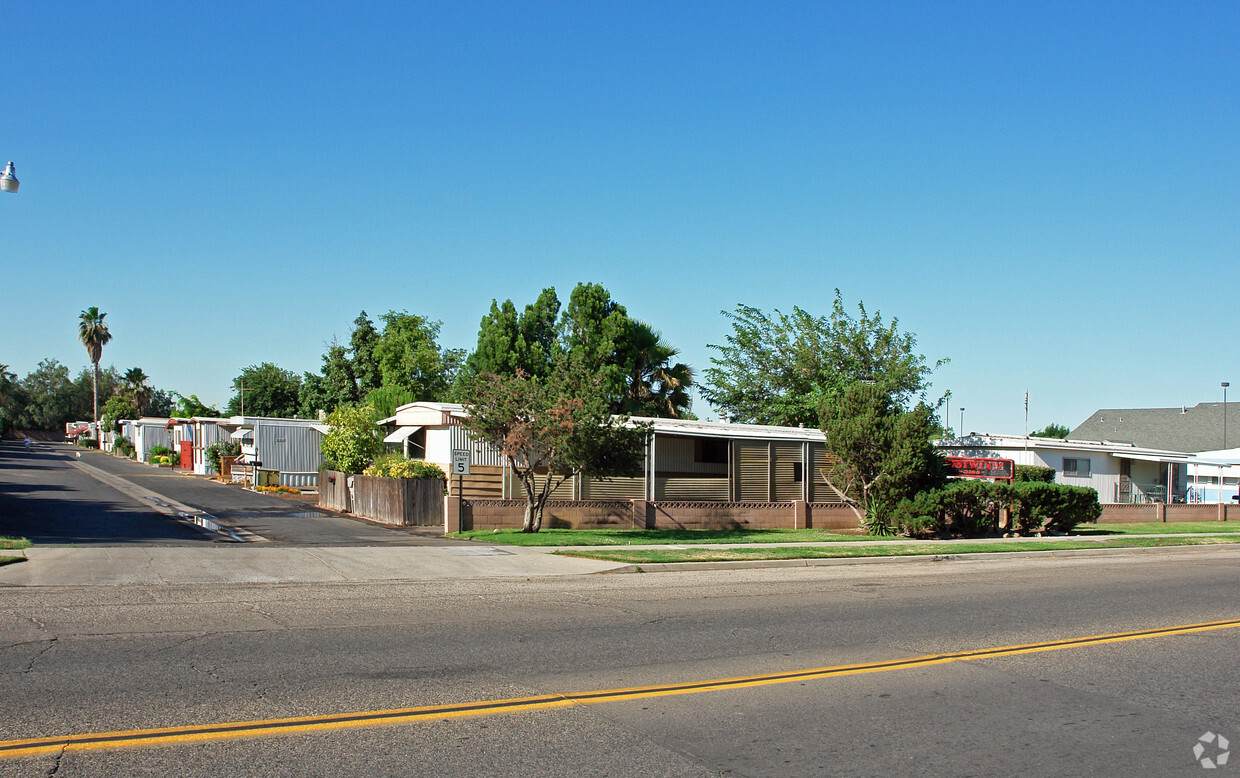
(798, 472)
(1076, 467)
(710, 451)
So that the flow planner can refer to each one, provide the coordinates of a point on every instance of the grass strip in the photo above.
(1158, 528)
(14, 543)
(912, 548)
(646, 537)
(8, 560)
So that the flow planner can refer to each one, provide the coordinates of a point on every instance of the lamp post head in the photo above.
(8, 180)
(1225, 384)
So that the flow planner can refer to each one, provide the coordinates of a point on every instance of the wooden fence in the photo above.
(405, 502)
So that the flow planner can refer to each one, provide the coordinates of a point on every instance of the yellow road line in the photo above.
(285, 726)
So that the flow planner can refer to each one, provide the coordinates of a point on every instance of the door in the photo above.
(187, 455)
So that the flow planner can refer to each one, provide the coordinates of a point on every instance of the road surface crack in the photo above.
(56, 763)
(50, 642)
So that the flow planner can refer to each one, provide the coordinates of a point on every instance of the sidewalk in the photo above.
(145, 565)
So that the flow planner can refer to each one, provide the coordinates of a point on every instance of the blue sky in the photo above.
(1045, 193)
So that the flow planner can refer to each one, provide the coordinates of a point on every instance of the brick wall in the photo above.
(1113, 513)
(640, 514)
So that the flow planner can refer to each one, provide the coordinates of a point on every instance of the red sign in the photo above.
(981, 467)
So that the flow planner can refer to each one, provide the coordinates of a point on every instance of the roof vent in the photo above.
(1183, 409)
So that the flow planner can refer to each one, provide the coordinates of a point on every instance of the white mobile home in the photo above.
(1119, 472)
(291, 446)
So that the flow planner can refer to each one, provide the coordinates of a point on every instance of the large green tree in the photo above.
(353, 441)
(509, 341)
(270, 391)
(550, 428)
(883, 453)
(411, 359)
(362, 343)
(782, 369)
(336, 385)
(94, 335)
(12, 398)
(49, 396)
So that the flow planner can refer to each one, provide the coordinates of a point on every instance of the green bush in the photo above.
(1034, 473)
(124, 447)
(353, 441)
(227, 448)
(396, 466)
(970, 508)
(87, 443)
(160, 452)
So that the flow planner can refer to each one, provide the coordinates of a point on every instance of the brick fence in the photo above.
(644, 514)
(1155, 511)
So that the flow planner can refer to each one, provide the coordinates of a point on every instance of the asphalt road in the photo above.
(89, 660)
(50, 500)
(44, 499)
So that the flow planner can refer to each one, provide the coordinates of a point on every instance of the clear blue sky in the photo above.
(1045, 193)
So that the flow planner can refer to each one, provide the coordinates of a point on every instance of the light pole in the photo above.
(1225, 384)
(962, 421)
(8, 180)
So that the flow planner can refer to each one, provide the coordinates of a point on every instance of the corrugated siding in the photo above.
(516, 491)
(676, 455)
(820, 466)
(752, 471)
(787, 456)
(481, 452)
(288, 448)
(614, 488)
(691, 488)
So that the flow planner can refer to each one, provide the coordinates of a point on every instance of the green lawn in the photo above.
(913, 548)
(1157, 528)
(686, 537)
(13, 543)
(646, 537)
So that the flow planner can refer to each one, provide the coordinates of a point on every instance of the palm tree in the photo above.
(136, 383)
(94, 336)
(653, 385)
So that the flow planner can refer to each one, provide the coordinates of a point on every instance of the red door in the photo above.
(187, 454)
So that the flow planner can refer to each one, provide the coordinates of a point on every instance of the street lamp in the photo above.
(1225, 384)
(962, 421)
(8, 180)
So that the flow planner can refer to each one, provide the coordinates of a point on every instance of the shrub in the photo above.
(1058, 507)
(278, 489)
(87, 443)
(1034, 473)
(124, 447)
(353, 440)
(227, 448)
(396, 466)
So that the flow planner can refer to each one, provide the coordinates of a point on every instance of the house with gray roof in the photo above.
(1187, 429)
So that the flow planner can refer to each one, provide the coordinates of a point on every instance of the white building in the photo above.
(1119, 472)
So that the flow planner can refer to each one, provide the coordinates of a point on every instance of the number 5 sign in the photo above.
(460, 461)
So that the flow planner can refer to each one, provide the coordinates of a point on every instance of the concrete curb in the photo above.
(671, 567)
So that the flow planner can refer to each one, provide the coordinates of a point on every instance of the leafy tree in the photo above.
(107, 381)
(386, 399)
(883, 454)
(336, 386)
(1052, 431)
(94, 336)
(362, 345)
(410, 358)
(48, 396)
(269, 391)
(353, 441)
(12, 398)
(552, 428)
(653, 386)
(120, 406)
(509, 341)
(592, 330)
(160, 404)
(783, 369)
(188, 406)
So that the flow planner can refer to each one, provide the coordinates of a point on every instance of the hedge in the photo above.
(970, 508)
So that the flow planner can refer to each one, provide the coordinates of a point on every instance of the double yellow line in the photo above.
(271, 727)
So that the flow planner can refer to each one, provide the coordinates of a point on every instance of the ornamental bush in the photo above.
(396, 466)
(1034, 473)
(124, 447)
(970, 508)
(162, 452)
(353, 441)
(226, 448)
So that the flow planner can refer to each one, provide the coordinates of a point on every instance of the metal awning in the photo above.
(401, 435)
(323, 428)
(1166, 458)
(244, 432)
